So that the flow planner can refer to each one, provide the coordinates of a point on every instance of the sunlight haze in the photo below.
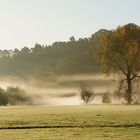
(26, 22)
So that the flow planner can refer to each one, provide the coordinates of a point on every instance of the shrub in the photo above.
(16, 96)
(106, 98)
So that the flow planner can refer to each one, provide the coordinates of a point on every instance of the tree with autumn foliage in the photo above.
(120, 54)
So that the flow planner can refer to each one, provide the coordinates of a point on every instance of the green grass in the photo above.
(70, 123)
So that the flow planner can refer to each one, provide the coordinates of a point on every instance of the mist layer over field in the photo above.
(63, 90)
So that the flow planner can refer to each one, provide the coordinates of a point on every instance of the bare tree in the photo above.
(86, 93)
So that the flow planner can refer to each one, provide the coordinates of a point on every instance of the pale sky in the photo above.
(26, 22)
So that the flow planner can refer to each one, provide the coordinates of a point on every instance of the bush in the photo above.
(13, 96)
(106, 98)
(16, 96)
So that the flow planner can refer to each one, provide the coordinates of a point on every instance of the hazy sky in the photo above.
(26, 22)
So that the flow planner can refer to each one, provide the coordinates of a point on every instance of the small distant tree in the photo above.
(16, 51)
(37, 48)
(72, 39)
(25, 50)
(86, 93)
(106, 98)
(5, 53)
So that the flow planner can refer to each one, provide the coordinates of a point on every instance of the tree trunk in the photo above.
(129, 91)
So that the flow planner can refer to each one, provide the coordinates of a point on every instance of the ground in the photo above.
(91, 122)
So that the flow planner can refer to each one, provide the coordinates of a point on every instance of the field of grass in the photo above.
(92, 122)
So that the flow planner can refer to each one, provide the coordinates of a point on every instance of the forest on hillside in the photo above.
(71, 57)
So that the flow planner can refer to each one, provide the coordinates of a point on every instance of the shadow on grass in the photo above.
(71, 126)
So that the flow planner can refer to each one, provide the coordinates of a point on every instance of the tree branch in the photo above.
(116, 62)
(120, 86)
(135, 76)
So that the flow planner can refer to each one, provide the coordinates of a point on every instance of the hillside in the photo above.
(71, 57)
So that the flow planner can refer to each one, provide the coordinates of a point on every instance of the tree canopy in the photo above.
(120, 54)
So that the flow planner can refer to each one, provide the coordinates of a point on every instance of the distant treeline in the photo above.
(72, 57)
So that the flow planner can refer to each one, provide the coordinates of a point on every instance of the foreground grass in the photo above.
(70, 123)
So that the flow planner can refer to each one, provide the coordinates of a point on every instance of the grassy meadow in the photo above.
(91, 122)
